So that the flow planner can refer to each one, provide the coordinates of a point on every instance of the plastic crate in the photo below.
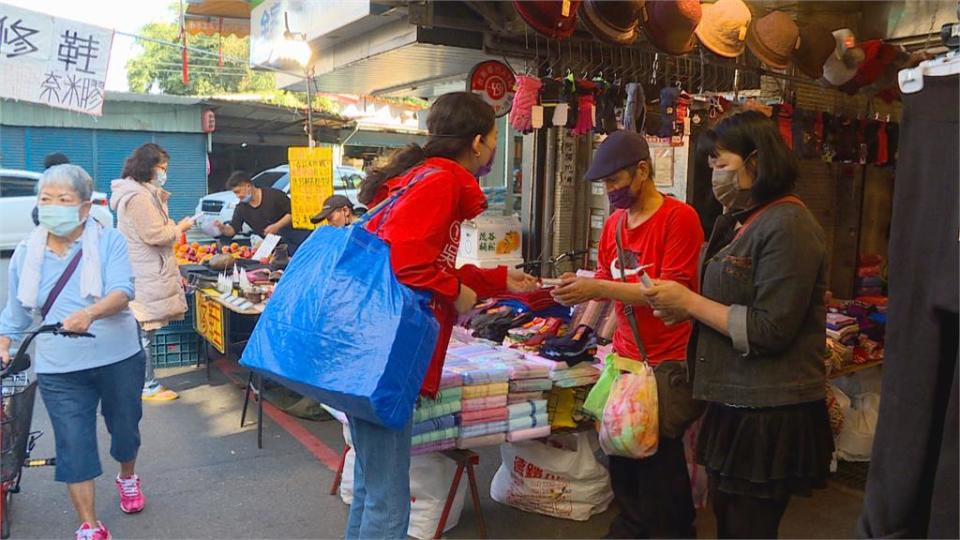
(187, 322)
(175, 348)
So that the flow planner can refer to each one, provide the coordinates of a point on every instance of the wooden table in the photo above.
(853, 368)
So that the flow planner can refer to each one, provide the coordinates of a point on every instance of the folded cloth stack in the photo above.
(479, 430)
(446, 402)
(438, 446)
(847, 335)
(479, 404)
(435, 436)
(517, 397)
(485, 390)
(494, 439)
(435, 424)
(529, 434)
(528, 415)
(839, 321)
(531, 385)
(564, 375)
(527, 408)
(483, 416)
(528, 422)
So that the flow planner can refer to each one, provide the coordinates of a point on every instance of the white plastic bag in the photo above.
(431, 476)
(563, 482)
(859, 427)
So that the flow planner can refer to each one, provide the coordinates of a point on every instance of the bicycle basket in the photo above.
(15, 419)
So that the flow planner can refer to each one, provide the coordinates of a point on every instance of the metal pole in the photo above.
(309, 76)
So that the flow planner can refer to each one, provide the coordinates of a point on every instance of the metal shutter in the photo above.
(11, 148)
(76, 144)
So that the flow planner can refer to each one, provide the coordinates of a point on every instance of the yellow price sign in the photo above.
(311, 182)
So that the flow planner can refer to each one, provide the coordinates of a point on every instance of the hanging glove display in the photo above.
(573, 101)
(528, 89)
(784, 116)
(668, 110)
(586, 108)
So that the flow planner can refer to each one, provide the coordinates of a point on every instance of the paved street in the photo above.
(205, 478)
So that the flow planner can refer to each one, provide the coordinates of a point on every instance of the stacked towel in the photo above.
(438, 446)
(478, 404)
(516, 397)
(529, 434)
(485, 390)
(472, 418)
(444, 422)
(435, 436)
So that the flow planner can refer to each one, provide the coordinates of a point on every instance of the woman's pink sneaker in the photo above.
(89, 532)
(131, 496)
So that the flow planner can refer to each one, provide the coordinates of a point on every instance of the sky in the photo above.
(120, 15)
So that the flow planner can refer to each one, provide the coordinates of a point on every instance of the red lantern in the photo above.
(208, 121)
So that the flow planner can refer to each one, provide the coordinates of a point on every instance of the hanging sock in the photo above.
(785, 123)
(586, 118)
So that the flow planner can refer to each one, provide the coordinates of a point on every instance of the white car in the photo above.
(219, 206)
(18, 196)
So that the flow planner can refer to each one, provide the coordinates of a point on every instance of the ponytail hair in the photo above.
(454, 120)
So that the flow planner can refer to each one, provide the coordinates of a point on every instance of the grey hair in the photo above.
(68, 175)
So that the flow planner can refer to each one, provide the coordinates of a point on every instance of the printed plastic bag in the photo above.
(629, 426)
(597, 399)
(855, 441)
(559, 478)
(431, 476)
(342, 330)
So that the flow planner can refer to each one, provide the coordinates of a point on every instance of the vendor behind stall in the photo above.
(337, 210)
(265, 210)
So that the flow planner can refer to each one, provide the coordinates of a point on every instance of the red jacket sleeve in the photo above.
(486, 282)
(418, 229)
(682, 254)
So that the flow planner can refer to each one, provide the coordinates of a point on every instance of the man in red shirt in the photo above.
(661, 237)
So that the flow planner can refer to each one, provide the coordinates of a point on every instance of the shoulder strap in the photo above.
(789, 199)
(61, 283)
(628, 308)
(387, 204)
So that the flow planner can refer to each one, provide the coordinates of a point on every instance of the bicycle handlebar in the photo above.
(21, 361)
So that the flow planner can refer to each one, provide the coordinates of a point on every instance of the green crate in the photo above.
(175, 348)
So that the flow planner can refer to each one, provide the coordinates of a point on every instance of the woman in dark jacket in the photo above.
(756, 349)
(439, 189)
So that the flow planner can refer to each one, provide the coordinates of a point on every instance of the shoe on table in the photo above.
(89, 532)
(158, 392)
(132, 499)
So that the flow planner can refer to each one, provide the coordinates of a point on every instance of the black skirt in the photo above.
(769, 453)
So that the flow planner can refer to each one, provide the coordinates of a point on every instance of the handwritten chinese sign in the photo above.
(56, 62)
(311, 182)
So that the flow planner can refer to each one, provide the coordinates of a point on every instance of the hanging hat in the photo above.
(773, 38)
(723, 27)
(556, 19)
(816, 45)
(842, 65)
(613, 21)
(670, 24)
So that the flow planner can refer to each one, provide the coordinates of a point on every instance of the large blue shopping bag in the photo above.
(342, 330)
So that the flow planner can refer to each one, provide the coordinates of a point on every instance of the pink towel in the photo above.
(487, 440)
(483, 416)
(528, 434)
(479, 404)
(433, 447)
(515, 397)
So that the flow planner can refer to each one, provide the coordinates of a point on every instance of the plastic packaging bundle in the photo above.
(524, 100)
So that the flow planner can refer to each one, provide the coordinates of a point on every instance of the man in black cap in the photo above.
(661, 239)
(338, 210)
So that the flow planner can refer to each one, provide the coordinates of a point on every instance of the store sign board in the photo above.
(311, 182)
(210, 320)
(268, 23)
(494, 81)
(53, 61)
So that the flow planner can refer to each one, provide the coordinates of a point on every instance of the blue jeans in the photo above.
(381, 481)
(71, 400)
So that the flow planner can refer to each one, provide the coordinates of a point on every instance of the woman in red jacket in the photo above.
(423, 231)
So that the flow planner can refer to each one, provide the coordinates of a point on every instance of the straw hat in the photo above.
(723, 27)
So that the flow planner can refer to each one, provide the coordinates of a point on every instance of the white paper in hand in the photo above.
(267, 247)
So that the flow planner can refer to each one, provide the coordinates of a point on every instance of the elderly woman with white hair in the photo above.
(72, 270)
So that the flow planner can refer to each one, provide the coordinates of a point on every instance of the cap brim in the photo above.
(322, 216)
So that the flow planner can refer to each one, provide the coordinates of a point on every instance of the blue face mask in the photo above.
(59, 220)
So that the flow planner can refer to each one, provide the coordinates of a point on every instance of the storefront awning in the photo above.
(224, 17)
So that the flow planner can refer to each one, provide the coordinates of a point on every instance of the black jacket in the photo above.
(774, 278)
